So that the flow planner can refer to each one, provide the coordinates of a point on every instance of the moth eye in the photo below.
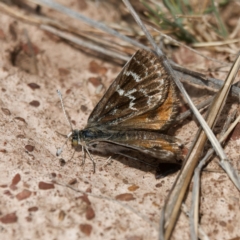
(74, 142)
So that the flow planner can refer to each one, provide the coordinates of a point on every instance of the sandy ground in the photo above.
(122, 199)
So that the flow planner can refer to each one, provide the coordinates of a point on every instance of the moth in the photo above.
(134, 114)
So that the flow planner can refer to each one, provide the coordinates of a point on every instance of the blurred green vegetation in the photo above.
(179, 16)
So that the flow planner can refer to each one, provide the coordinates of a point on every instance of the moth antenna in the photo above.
(63, 108)
(59, 150)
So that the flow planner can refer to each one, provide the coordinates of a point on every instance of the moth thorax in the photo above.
(76, 139)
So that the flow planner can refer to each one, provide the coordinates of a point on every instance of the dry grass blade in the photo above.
(67, 32)
(85, 44)
(219, 43)
(190, 48)
(201, 106)
(95, 24)
(202, 234)
(221, 96)
(194, 215)
(199, 79)
(36, 19)
(182, 182)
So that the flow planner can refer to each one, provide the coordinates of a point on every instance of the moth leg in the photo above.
(107, 161)
(83, 156)
(91, 158)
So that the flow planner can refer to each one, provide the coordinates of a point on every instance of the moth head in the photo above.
(76, 138)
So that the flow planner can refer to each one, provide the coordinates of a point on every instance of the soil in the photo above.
(122, 200)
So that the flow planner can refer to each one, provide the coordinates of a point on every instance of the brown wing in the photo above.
(163, 147)
(159, 118)
(141, 88)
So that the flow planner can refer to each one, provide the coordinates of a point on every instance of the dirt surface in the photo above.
(122, 200)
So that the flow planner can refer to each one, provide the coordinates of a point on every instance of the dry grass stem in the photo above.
(194, 212)
(194, 216)
(84, 44)
(181, 184)
(190, 48)
(73, 14)
(201, 106)
(214, 44)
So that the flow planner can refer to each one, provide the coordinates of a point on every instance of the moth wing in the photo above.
(154, 144)
(141, 87)
(159, 118)
(165, 148)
